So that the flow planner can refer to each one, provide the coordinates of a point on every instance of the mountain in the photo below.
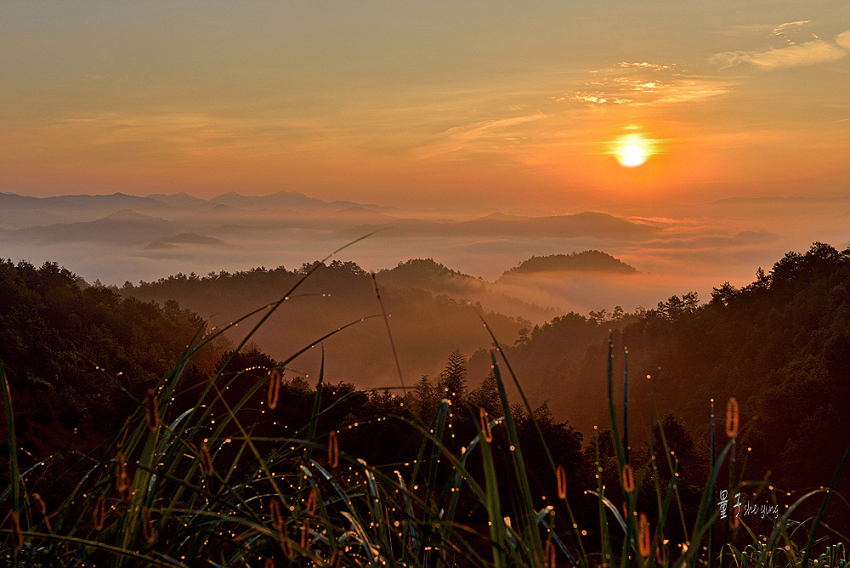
(587, 224)
(184, 238)
(14, 201)
(780, 346)
(426, 326)
(123, 227)
(290, 199)
(76, 354)
(435, 278)
(181, 199)
(194, 239)
(115, 201)
(361, 214)
(19, 212)
(586, 261)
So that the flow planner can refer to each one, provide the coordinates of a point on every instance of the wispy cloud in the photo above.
(646, 65)
(809, 53)
(785, 28)
(802, 48)
(480, 136)
(645, 83)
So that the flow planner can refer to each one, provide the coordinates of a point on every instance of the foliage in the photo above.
(589, 260)
(427, 321)
(247, 464)
(78, 353)
(780, 345)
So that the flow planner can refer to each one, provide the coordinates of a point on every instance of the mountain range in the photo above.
(118, 237)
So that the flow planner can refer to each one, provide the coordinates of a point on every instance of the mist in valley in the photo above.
(439, 273)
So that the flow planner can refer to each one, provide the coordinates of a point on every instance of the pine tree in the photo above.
(452, 383)
(486, 396)
(425, 399)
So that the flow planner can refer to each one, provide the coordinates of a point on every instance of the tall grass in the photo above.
(200, 487)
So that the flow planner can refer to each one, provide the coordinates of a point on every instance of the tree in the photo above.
(452, 383)
(486, 396)
(523, 336)
(425, 399)
(724, 294)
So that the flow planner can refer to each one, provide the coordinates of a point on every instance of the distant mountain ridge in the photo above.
(236, 215)
(585, 224)
(291, 199)
(585, 261)
(124, 226)
(118, 200)
(115, 200)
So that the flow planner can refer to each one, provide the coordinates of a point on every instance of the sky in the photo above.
(501, 105)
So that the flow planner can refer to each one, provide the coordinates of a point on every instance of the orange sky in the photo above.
(476, 105)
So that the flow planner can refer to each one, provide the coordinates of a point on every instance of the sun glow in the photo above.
(631, 150)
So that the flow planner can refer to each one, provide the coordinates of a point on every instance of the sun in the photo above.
(632, 155)
(632, 149)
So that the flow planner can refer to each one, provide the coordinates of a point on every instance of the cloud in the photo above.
(598, 98)
(715, 240)
(645, 65)
(809, 53)
(785, 28)
(645, 84)
(843, 39)
(476, 137)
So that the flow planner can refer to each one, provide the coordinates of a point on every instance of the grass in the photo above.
(201, 487)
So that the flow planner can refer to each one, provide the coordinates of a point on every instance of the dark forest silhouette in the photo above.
(77, 355)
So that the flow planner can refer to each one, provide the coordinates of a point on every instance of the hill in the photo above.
(585, 261)
(780, 345)
(427, 321)
(124, 227)
(75, 354)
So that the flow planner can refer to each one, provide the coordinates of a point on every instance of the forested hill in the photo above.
(780, 345)
(427, 323)
(585, 261)
(80, 354)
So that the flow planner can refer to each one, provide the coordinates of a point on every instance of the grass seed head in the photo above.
(39, 503)
(15, 531)
(485, 425)
(274, 511)
(562, 482)
(122, 479)
(147, 526)
(333, 449)
(628, 479)
(285, 545)
(305, 533)
(206, 459)
(550, 554)
(273, 391)
(644, 540)
(732, 417)
(152, 411)
(42, 508)
(312, 502)
(99, 514)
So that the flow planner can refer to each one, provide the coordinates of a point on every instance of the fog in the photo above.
(118, 238)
